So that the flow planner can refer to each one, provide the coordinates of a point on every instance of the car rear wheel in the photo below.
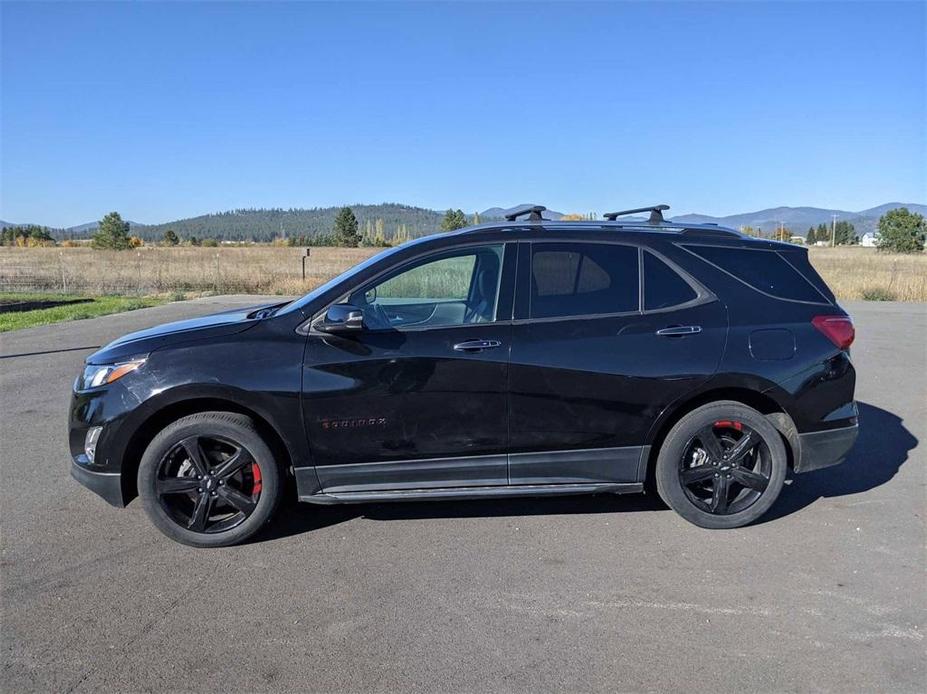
(209, 480)
(721, 466)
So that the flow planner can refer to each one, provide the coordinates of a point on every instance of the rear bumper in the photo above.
(106, 484)
(820, 449)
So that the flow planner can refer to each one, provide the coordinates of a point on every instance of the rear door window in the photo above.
(577, 279)
(663, 286)
(765, 271)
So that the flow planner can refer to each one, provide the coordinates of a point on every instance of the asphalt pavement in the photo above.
(826, 593)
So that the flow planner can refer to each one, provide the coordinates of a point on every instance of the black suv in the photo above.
(525, 357)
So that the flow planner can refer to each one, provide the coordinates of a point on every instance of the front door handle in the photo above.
(678, 330)
(477, 345)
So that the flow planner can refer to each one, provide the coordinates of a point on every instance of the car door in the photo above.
(606, 336)
(416, 399)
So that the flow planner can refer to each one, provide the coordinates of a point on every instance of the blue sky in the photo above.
(164, 111)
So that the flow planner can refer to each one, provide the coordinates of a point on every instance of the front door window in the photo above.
(460, 288)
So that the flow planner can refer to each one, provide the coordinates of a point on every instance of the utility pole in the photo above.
(833, 230)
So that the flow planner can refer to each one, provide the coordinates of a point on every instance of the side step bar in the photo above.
(367, 497)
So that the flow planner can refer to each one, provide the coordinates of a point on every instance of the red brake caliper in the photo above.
(256, 476)
(729, 424)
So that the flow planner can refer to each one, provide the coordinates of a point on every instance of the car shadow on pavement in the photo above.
(881, 449)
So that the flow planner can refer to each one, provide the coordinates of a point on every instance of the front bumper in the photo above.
(107, 408)
(106, 484)
(820, 449)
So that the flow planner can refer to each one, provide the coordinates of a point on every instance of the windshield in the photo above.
(298, 304)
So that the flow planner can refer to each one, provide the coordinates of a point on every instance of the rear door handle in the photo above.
(477, 345)
(677, 330)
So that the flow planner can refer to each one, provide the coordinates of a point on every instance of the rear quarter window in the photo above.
(765, 271)
(663, 287)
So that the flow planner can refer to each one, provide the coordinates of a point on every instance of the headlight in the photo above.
(98, 375)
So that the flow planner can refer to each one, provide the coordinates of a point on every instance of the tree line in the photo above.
(346, 230)
(840, 234)
(265, 225)
(113, 233)
(26, 235)
(899, 231)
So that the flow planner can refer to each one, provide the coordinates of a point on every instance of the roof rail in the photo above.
(717, 230)
(534, 214)
(656, 213)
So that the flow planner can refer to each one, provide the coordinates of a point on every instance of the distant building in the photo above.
(868, 240)
(797, 239)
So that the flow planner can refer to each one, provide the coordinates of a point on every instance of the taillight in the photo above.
(837, 329)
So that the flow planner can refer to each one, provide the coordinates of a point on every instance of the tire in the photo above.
(725, 486)
(209, 480)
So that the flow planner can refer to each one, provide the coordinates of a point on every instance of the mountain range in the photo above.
(798, 219)
(266, 224)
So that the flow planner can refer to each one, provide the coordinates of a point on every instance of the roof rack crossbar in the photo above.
(534, 214)
(656, 213)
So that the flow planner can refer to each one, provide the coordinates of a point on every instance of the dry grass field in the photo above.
(155, 270)
(865, 273)
(853, 273)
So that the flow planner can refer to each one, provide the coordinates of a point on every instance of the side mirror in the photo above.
(341, 318)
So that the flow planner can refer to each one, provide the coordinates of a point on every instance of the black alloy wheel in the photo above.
(721, 466)
(208, 484)
(209, 480)
(725, 468)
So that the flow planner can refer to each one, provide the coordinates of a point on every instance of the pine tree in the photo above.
(809, 237)
(453, 219)
(844, 234)
(823, 233)
(112, 233)
(345, 230)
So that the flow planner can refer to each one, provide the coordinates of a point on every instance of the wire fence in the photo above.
(155, 270)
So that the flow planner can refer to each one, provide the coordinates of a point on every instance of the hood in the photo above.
(146, 341)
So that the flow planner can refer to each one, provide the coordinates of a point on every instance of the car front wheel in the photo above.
(209, 480)
(721, 466)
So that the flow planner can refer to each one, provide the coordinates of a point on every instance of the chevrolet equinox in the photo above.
(521, 357)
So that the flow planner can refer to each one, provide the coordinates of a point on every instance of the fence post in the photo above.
(64, 281)
(138, 269)
(304, 259)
